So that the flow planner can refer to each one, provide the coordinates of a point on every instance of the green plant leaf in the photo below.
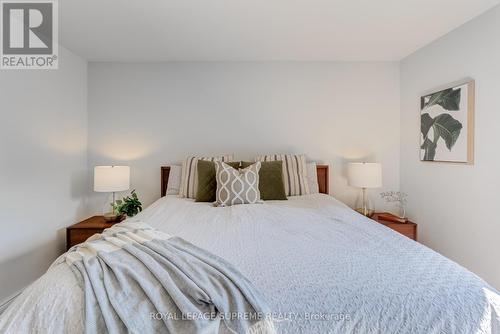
(426, 122)
(449, 99)
(430, 149)
(448, 128)
(129, 205)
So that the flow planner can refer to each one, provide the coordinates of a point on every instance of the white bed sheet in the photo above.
(322, 267)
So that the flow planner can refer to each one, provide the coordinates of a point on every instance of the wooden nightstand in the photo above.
(78, 233)
(408, 229)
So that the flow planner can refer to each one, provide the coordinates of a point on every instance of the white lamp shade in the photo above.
(364, 175)
(111, 178)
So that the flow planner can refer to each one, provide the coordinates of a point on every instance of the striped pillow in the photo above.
(189, 180)
(294, 172)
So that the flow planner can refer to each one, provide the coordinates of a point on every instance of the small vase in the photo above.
(402, 212)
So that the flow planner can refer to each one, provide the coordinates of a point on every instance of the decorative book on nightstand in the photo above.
(408, 229)
(79, 232)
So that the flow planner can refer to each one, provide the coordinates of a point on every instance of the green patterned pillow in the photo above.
(294, 172)
(207, 185)
(271, 184)
(189, 176)
(237, 186)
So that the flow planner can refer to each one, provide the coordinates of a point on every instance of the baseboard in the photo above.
(6, 302)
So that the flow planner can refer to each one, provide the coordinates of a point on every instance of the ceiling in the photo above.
(258, 30)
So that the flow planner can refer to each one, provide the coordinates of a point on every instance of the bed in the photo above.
(322, 268)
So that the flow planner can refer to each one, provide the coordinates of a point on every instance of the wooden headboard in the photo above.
(322, 171)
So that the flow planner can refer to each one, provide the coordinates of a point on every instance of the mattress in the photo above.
(321, 267)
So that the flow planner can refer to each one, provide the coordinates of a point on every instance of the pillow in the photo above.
(271, 184)
(294, 172)
(189, 180)
(174, 180)
(207, 184)
(237, 186)
(312, 178)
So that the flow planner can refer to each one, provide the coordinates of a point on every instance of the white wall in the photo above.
(456, 206)
(152, 114)
(43, 176)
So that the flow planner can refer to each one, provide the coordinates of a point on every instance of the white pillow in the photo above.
(174, 180)
(312, 178)
(189, 179)
(294, 172)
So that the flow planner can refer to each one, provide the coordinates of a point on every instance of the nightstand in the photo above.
(78, 233)
(408, 229)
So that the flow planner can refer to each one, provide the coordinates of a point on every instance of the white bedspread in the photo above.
(322, 268)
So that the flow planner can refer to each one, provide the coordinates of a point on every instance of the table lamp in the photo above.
(364, 175)
(110, 179)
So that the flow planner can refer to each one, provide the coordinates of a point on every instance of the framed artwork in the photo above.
(447, 124)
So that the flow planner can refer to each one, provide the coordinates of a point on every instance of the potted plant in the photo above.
(129, 206)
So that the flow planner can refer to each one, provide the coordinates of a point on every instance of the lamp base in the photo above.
(111, 217)
(369, 212)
